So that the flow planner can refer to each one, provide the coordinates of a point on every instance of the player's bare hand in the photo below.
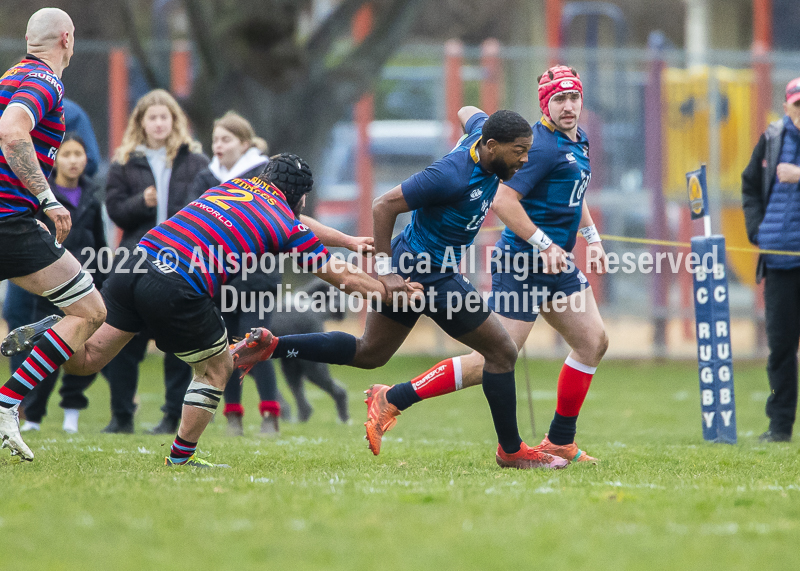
(555, 259)
(361, 244)
(63, 222)
(596, 258)
(394, 285)
(788, 173)
(150, 196)
(415, 290)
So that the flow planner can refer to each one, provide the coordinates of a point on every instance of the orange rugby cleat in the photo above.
(381, 416)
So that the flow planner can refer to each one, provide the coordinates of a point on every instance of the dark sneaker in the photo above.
(168, 425)
(269, 425)
(119, 425)
(235, 426)
(774, 436)
(25, 337)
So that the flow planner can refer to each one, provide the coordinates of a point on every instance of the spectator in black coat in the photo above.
(149, 181)
(238, 153)
(77, 193)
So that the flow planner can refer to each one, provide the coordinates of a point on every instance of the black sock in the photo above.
(402, 396)
(335, 348)
(501, 392)
(562, 429)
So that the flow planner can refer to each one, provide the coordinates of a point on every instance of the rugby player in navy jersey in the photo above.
(167, 285)
(449, 200)
(543, 208)
(31, 131)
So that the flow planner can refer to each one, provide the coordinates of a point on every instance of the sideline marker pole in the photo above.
(712, 321)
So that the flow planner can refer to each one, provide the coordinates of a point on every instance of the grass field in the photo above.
(315, 498)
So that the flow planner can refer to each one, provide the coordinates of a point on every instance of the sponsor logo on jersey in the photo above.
(571, 157)
(162, 267)
(49, 79)
(581, 277)
(302, 227)
(475, 194)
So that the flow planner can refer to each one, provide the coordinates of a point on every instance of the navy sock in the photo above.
(501, 392)
(562, 429)
(402, 396)
(335, 348)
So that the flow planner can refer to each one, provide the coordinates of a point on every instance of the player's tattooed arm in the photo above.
(21, 158)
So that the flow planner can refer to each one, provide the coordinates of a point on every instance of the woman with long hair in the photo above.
(149, 180)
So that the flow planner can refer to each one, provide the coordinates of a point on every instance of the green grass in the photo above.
(315, 498)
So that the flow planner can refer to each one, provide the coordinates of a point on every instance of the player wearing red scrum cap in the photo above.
(543, 206)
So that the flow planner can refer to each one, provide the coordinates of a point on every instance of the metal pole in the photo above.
(528, 389)
(654, 183)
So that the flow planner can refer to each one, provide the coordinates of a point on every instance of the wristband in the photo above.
(591, 234)
(540, 240)
(383, 265)
(48, 201)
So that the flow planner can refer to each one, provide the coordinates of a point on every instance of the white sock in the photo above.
(28, 425)
(71, 420)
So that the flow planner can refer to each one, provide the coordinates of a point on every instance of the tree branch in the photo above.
(362, 66)
(335, 25)
(129, 23)
(197, 12)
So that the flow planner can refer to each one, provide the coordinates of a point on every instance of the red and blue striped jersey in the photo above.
(236, 220)
(33, 86)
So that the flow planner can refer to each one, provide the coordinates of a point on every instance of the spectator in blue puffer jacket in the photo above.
(771, 199)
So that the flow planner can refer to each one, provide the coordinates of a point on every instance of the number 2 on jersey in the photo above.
(221, 199)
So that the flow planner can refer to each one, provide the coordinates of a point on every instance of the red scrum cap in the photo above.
(557, 79)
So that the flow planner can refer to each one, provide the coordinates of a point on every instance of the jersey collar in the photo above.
(36, 59)
(552, 128)
(473, 152)
(547, 124)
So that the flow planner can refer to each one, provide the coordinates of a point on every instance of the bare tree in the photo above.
(253, 61)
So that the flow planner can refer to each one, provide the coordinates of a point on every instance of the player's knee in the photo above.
(368, 356)
(503, 355)
(96, 314)
(371, 360)
(601, 345)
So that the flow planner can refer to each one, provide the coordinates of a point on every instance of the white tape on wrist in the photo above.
(383, 265)
(540, 240)
(591, 234)
(48, 200)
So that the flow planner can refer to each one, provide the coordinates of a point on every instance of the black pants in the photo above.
(72, 386)
(782, 309)
(238, 323)
(123, 378)
(71, 391)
